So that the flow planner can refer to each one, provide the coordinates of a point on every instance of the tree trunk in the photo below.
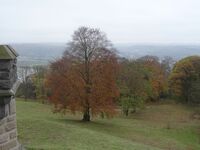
(86, 115)
(126, 112)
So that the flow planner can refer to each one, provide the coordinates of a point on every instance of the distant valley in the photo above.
(37, 54)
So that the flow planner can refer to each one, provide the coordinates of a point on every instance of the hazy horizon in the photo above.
(43, 52)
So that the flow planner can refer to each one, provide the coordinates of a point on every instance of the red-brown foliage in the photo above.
(84, 79)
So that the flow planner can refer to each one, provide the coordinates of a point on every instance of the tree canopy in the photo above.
(185, 79)
(84, 79)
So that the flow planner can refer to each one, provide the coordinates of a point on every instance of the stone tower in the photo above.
(8, 86)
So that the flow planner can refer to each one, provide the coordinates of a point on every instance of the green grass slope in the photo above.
(158, 127)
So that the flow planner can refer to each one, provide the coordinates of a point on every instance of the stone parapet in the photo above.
(8, 86)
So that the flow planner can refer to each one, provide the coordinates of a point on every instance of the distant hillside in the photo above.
(175, 51)
(31, 54)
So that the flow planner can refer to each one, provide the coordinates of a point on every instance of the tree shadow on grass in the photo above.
(80, 122)
(96, 125)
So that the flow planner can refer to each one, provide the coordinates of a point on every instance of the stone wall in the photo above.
(8, 128)
(8, 86)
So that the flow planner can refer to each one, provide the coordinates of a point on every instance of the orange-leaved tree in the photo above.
(185, 80)
(84, 79)
(154, 75)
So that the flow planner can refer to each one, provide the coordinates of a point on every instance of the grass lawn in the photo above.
(158, 127)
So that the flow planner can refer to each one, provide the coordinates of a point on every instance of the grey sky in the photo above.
(124, 21)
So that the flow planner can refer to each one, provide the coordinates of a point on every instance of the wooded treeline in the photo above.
(91, 78)
(32, 82)
(143, 80)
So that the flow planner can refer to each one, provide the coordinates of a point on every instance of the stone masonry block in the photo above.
(9, 83)
(10, 126)
(4, 138)
(6, 65)
(11, 118)
(13, 134)
(9, 145)
(2, 130)
(2, 121)
(12, 107)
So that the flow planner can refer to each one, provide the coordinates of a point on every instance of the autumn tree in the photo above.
(84, 79)
(167, 64)
(132, 86)
(26, 88)
(154, 76)
(38, 78)
(185, 79)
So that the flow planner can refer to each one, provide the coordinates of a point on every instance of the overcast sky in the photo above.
(124, 21)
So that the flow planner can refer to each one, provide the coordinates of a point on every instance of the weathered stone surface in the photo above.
(2, 121)
(5, 84)
(4, 138)
(18, 147)
(11, 118)
(9, 145)
(4, 100)
(10, 126)
(12, 107)
(4, 75)
(8, 87)
(13, 134)
(2, 112)
(7, 110)
(2, 130)
(6, 65)
(8, 75)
